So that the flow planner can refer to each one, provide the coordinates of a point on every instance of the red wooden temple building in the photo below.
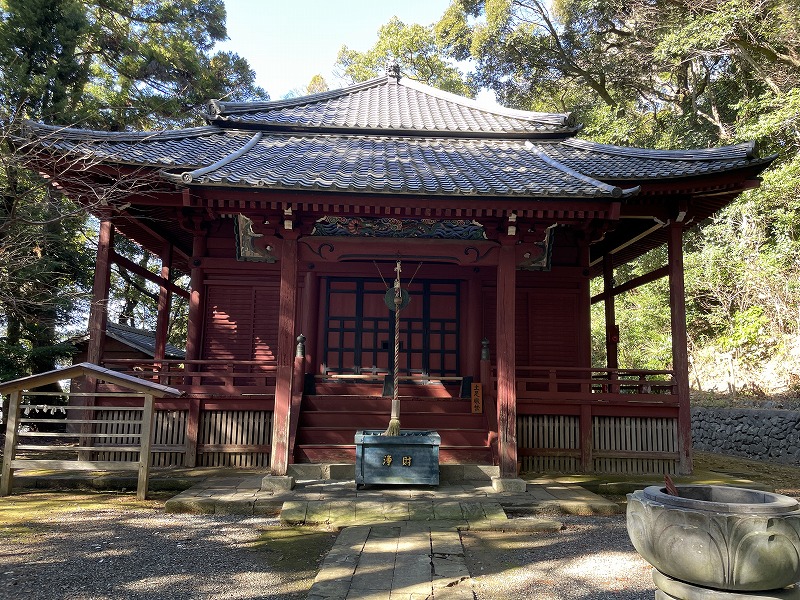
(290, 217)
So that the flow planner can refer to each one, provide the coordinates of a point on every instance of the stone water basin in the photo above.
(725, 538)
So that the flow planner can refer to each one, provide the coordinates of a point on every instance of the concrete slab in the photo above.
(293, 513)
(275, 483)
(318, 512)
(508, 484)
(190, 504)
(448, 511)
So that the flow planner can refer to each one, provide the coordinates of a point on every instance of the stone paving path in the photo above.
(396, 542)
(340, 504)
(393, 562)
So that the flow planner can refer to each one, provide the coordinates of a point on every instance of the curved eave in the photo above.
(282, 128)
(178, 178)
(33, 131)
(697, 183)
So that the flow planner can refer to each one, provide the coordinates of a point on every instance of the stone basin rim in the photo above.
(729, 500)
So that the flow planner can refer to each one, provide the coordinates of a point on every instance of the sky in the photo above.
(287, 42)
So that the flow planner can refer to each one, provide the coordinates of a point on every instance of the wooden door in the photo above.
(359, 328)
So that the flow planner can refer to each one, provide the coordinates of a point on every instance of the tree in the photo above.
(414, 48)
(106, 64)
(668, 75)
(317, 85)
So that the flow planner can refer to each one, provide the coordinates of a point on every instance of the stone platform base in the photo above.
(672, 589)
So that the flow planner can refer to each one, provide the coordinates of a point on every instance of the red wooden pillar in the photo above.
(286, 354)
(194, 337)
(680, 353)
(506, 358)
(164, 301)
(310, 319)
(474, 333)
(612, 335)
(196, 296)
(98, 311)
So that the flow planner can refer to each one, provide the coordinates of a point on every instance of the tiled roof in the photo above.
(181, 148)
(386, 104)
(141, 339)
(390, 136)
(383, 164)
(614, 163)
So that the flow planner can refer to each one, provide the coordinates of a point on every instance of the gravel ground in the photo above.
(109, 550)
(145, 554)
(590, 559)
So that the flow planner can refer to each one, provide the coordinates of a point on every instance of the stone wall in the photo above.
(772, 435)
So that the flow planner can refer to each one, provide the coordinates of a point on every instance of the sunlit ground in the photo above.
(591, 559)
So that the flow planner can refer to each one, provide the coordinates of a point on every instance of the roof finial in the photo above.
(393, 69)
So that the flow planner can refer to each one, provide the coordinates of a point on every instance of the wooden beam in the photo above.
(160, 280)
(145, 442)
(138, 223)
(632, 284)
(310, 320)
(680, 352)
(90, 370)
(196, 295)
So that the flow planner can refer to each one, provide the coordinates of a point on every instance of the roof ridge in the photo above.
(745, 150)
(189, 176)
(613, 190)
(217, 109)
(64, 132)
(563, 119)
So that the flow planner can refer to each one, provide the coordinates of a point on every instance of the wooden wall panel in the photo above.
(241, 321)
(552, 329)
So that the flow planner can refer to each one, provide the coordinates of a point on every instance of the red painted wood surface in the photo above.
(309, 321)
(196, 296)
(506, 361)
(286, 350)
(680, 353)
(98, 310)
(241, 320)
(612, 333)
(164, 301)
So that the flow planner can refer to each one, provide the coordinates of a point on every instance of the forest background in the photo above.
(649, 73)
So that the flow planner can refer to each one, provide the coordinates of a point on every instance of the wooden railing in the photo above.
(205, 376)
(80, 446)
(595, 419)
(595, 385)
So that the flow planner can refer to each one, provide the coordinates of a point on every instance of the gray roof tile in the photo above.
(389, 136)
(387, 104)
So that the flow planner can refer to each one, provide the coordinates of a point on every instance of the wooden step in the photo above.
(381, 404)
(422, 390)
(346, 453)
(346, 435)
(372, 420)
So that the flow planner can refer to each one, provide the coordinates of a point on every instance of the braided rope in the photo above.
(394, 420)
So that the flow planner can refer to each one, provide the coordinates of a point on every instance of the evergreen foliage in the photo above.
(98, 64)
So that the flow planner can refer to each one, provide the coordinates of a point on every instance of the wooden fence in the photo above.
(597, 420)
(91, 433)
